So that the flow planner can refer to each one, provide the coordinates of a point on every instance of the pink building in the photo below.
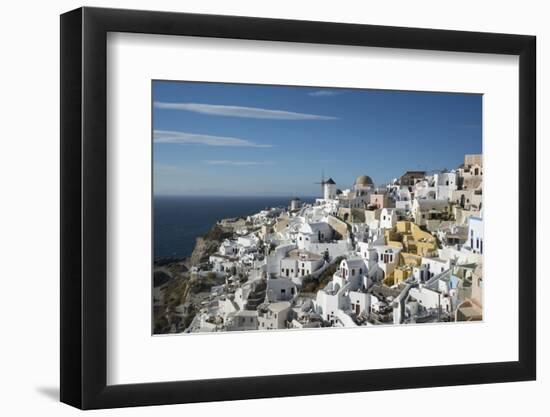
(379, 201)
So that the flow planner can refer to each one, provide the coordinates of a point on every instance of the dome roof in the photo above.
(364, 180)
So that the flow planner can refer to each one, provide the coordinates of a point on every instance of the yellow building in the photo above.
(399, 274)
(411, 238)
(414, 242)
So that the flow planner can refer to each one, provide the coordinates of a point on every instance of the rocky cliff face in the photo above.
(208, 244)
(203, 249)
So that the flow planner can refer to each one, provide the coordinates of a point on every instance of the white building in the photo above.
(352, 271)
(313, 233)
(273, 260)
(242, 320)
(445, 183)
(248, 241)
(388, 218)
(280, 289)
(334, 249)
(345, 288)
(222, 263)
(274, 316)
(431, 299)
(228, 248)
(475, 234)
(423, 210)
(299, 263)
(434, 266)
(359, 302)
(401, 196)
(424, 189)
(388, 257)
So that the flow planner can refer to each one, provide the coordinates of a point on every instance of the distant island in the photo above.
(410, 251)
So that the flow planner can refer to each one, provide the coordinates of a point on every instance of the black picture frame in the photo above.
(84, 207)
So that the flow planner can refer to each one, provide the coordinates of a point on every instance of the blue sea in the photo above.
(178, 221)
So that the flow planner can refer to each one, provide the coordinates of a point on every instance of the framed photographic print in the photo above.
(259, 208)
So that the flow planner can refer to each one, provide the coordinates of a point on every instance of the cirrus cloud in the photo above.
(239, 111)
(185, 138)
(324, 93)
(237, 163)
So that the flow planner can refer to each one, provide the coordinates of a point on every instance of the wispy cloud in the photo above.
(324, 93)
(238, 111)
(237, 163)
(185, 138)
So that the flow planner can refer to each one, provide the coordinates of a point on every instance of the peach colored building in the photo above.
(379, 201)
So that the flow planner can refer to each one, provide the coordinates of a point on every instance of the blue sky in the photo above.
(246, 140)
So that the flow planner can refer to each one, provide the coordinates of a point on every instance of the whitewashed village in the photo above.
(407, 252)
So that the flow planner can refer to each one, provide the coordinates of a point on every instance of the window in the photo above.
(353, 271)
(360, 271)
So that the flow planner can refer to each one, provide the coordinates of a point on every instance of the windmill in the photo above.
(322, 183)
